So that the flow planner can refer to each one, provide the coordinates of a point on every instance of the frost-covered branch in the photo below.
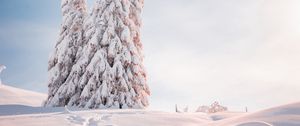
(2, 67)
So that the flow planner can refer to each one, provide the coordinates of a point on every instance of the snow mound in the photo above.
(285, 115)
(23, 113)
(224, 115)
(12, 95)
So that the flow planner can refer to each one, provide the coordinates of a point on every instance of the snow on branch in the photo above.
(2, 67)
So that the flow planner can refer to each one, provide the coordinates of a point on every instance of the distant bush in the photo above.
(213, 108)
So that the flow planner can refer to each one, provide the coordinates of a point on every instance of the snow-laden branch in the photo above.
(2, 67)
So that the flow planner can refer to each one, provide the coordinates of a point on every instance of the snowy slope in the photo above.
(107, 118)
(287, 115)
(12, 95)
(14, 115)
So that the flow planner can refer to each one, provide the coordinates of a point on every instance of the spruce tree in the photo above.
(108, 71)
(70, 41)
(114, 76)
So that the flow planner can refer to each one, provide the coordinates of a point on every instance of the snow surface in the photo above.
(25, 115)
(12, 95)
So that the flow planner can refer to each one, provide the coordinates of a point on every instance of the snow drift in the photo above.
(14, 115)
(12, 95)
(287, 115)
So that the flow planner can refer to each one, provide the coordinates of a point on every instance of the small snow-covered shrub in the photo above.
(213, 108)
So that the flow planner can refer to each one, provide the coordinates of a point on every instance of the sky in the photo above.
(240, 53)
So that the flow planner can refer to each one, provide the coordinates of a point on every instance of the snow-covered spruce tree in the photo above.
(63, 58)
(113, 75)
(108, 72)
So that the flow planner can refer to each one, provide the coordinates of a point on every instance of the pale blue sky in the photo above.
(241, 53)
(28, 30)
